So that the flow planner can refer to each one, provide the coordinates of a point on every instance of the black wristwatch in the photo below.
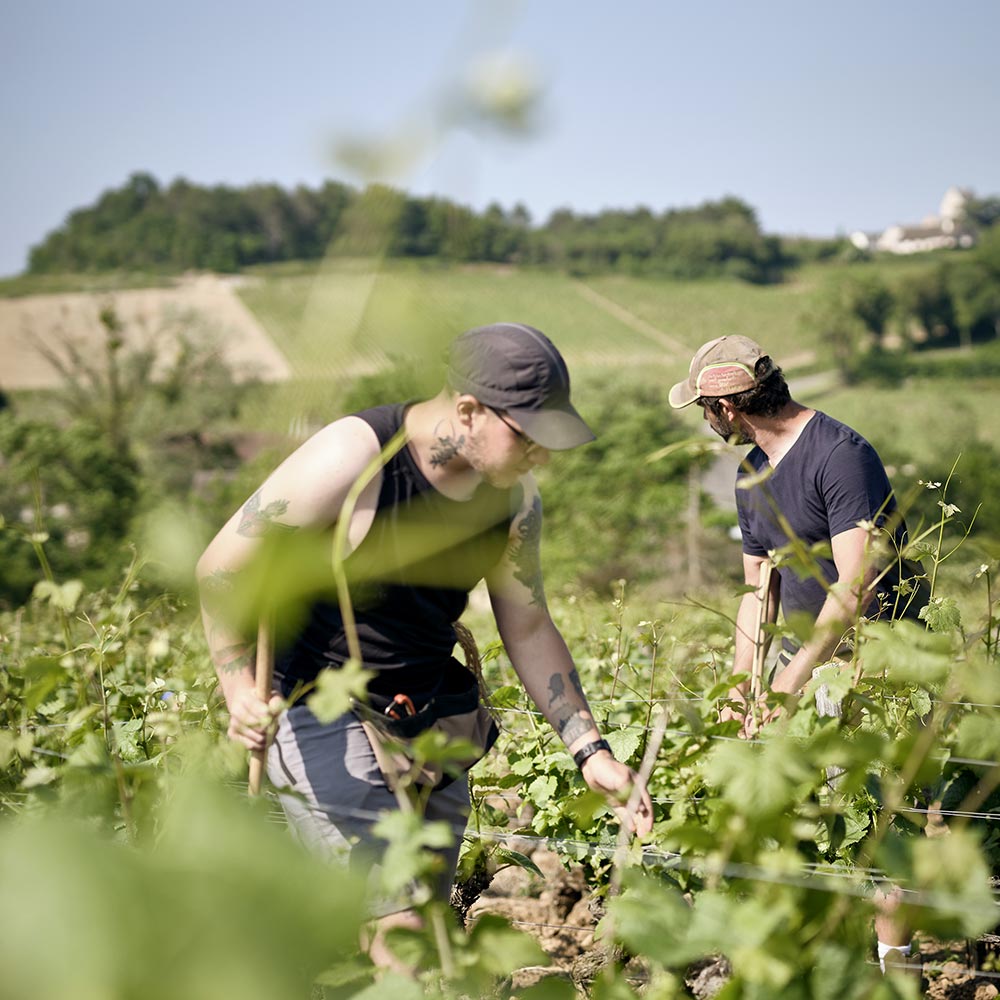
(588, 750)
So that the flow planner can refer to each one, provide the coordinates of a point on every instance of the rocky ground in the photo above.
(559, 914)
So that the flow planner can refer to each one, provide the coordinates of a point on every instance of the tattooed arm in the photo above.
(306, 491)
(543, 662)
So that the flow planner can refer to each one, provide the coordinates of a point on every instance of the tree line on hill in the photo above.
(146, 226)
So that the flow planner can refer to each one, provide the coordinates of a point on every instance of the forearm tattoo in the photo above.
(256, 520)
(445, 446)
(572, 727)
(571, 722)
(525, 553)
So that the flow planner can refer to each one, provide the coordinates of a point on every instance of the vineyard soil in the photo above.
(559, 914)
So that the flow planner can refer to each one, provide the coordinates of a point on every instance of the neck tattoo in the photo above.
(445, 446)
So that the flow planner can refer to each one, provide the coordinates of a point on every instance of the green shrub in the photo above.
(69, 485)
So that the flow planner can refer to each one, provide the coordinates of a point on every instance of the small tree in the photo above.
(852, 318)
(925, 300)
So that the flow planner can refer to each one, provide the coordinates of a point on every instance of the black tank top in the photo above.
(409, 578)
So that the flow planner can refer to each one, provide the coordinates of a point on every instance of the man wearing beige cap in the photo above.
(810, 474)
(811, 477)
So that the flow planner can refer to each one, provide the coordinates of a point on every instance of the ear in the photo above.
(728, 409)
(467, 407)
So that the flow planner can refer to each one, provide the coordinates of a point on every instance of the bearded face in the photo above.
(732, 431)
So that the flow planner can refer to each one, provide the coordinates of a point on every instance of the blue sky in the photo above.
(825, 118)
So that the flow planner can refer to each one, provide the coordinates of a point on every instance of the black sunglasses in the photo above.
(517, 432)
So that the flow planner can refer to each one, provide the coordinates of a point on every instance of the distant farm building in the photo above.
(944, 231)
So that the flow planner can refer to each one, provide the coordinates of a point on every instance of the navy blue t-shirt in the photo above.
(829, 480)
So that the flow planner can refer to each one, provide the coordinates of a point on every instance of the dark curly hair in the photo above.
(764, 400)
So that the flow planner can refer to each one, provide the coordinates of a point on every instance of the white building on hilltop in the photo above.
(942, 231)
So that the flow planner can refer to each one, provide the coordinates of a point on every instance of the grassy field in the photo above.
(346, 317)
(319, 314)
(352, 307)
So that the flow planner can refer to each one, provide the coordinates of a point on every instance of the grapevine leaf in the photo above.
(505, 856)
(979, 737)
(920, 700)
(502, 948)
(550, 988)
(942, 614)
(952, 872)
(507, 696)
(624, 743)
(907, 653)
(523, 767)
(542, 789)
(394, 985)
(335, 690)
(39, 775)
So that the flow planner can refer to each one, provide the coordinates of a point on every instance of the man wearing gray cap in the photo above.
(811, 477)
(455, 504)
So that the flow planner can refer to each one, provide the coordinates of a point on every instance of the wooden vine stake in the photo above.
(761, 639)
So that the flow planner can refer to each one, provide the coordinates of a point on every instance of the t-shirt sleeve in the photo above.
(855, 486)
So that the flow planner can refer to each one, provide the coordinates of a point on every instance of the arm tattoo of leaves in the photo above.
(572, 727)
(256, 521)
(525, 553)
(445, 448)
(235, 658)
(219, 581)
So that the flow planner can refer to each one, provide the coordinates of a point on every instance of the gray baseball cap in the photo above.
(517, 369)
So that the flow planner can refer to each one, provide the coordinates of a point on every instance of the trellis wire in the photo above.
(733, 739)
(513, 797)
(669, 859)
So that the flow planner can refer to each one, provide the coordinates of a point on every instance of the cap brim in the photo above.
(681, 395)
(555, 429)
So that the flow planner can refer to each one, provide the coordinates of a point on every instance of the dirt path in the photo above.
(208, 303)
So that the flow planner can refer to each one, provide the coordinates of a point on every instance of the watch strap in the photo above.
(588, 750)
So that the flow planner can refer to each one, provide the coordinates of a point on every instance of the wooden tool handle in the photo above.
(263, 677)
